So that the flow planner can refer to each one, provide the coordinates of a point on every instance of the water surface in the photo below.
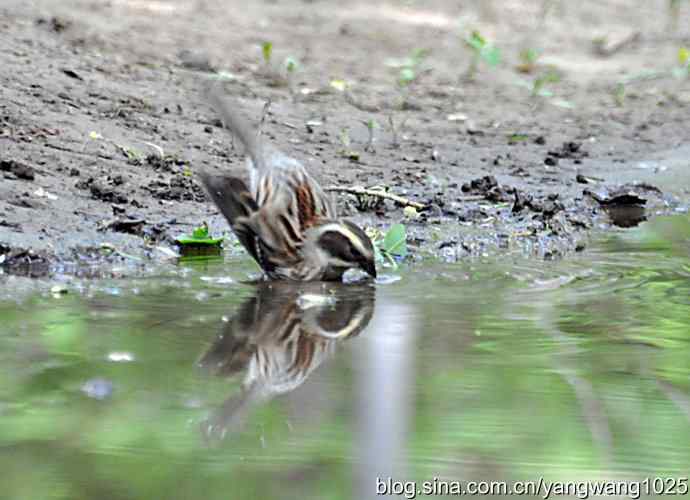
(191, 384)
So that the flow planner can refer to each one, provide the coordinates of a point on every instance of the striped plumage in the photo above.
(277, 339)
(284, 218)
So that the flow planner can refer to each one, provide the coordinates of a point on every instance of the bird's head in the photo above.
(346, 246)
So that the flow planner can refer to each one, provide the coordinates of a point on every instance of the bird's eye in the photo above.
(339, 246)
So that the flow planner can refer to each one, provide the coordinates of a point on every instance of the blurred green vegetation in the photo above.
(570, 369)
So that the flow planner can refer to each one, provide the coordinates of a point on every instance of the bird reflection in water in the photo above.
(277, 338)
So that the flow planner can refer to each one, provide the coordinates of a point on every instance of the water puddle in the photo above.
(191, 382)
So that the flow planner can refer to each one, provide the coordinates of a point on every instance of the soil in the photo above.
(103, 121)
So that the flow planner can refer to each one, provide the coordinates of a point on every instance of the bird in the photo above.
(277, 338)
(284, 218)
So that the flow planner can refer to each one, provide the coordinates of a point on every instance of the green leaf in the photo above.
(267, 51)
(552, 76)
(407, 76)
(476, 41)
(395, 241)
(529, 56)
(517, 137)
(372, 124)
(340, 85)
(185, 240)
(291, 64)
(418, 55)
(200, 232)
(198, 238)
(491, 55)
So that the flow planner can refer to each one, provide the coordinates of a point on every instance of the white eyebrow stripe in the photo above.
(342, 229)
(351, 327)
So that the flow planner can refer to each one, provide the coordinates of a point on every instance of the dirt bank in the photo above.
(102, 123)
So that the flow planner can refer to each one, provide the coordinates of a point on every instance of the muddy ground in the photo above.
(103, 123)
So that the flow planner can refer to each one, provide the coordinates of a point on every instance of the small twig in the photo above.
(262, 121)
(264, 114)
(106, 225)
(395, 129)
(360, 191)
(112, 248)
(158, 149)
(370, 125)
(473, 197)
(644, 76)
(74, 151)
(604, 49)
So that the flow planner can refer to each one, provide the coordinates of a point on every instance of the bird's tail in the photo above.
(228, 109)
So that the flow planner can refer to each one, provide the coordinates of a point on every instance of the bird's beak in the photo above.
(369, 267)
